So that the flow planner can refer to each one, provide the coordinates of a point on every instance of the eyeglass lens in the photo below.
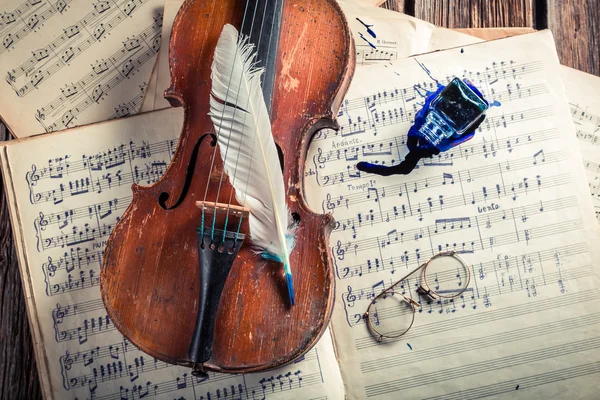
(444, 277)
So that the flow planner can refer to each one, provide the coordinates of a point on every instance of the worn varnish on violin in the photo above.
(161, 288)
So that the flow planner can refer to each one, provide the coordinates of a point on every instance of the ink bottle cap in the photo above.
(452, 113)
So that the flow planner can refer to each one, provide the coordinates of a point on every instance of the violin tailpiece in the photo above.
(215, 261)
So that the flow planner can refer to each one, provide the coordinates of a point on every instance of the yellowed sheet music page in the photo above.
(73, 62)
(382, 35)
(67, 192)
(150, 89)
(583, 91)
(513, 202)
(163, 74)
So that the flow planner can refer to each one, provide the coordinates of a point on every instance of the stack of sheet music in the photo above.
(514, 201)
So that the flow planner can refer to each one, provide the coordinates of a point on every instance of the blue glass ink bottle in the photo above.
(452, 113)
(448, 118)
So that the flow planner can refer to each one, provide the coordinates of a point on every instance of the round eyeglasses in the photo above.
(391, 313)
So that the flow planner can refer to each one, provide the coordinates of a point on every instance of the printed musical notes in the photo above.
(68, 63)
(382, 36)
(511, 201)
(72, 189)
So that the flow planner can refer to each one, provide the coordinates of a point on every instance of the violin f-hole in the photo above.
(164, 196)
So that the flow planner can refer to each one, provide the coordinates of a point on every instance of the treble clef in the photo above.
(59, 314)
(328, 205)
(339, 251)
(67, 361)
(43, 221)
(350, 297)
(39, 225)
(32, 177)
(51, 267)
(319, 159)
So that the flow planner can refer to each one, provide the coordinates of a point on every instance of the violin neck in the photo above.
(262, 24)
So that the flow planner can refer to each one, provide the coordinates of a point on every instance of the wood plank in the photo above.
(576, 28)
(396, 5)
(18, 374)
(476, 13)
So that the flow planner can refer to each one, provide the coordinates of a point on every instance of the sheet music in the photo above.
(148, 101)
(66, 192)
(513, 202)
(163, 79)
(73, 62)
(382, 35)
(582, 92)
(397, 36)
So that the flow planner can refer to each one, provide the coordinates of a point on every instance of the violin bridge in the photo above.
(222, 208)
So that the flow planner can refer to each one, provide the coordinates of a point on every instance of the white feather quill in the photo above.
(250, 158)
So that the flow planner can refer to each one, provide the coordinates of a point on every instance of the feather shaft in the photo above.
(250, 158)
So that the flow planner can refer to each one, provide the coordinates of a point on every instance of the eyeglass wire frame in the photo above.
(423, 289)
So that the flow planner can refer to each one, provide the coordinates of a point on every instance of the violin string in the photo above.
(253, 143)
(240, 39)
(253, 140)
(217, 132)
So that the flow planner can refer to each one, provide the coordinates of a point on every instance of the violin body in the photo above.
(150, 278)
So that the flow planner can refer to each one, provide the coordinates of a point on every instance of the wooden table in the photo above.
(576, 28)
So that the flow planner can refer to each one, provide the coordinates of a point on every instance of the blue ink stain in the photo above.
(495, 103)
(366, 40)
(424, 93)
(517, 388)
(428, 73)
(369, 30)
(409, 346)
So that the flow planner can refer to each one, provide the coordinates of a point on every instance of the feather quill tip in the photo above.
(290, 287)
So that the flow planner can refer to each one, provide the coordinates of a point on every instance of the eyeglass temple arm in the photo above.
(411, 301)
(391, 288)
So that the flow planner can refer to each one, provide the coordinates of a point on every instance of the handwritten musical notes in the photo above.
(68, 63)
(71, 188)
(512, 201)
(582, 92)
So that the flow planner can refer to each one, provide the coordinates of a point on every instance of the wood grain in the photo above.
(574, 23)
(476, 13)
(402, 6)
(18, 375)
(576, 28)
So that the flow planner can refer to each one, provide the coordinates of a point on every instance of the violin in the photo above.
(178, 280)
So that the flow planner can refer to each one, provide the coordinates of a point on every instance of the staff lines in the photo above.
(537, 281)
(409, 94)
(366, 341)
(29, 20)
(408, 260)
(443, 180)
(513, 360)
(395, 237)
(321, 159)
(352, 174)
(483, 342)
(41, 57)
